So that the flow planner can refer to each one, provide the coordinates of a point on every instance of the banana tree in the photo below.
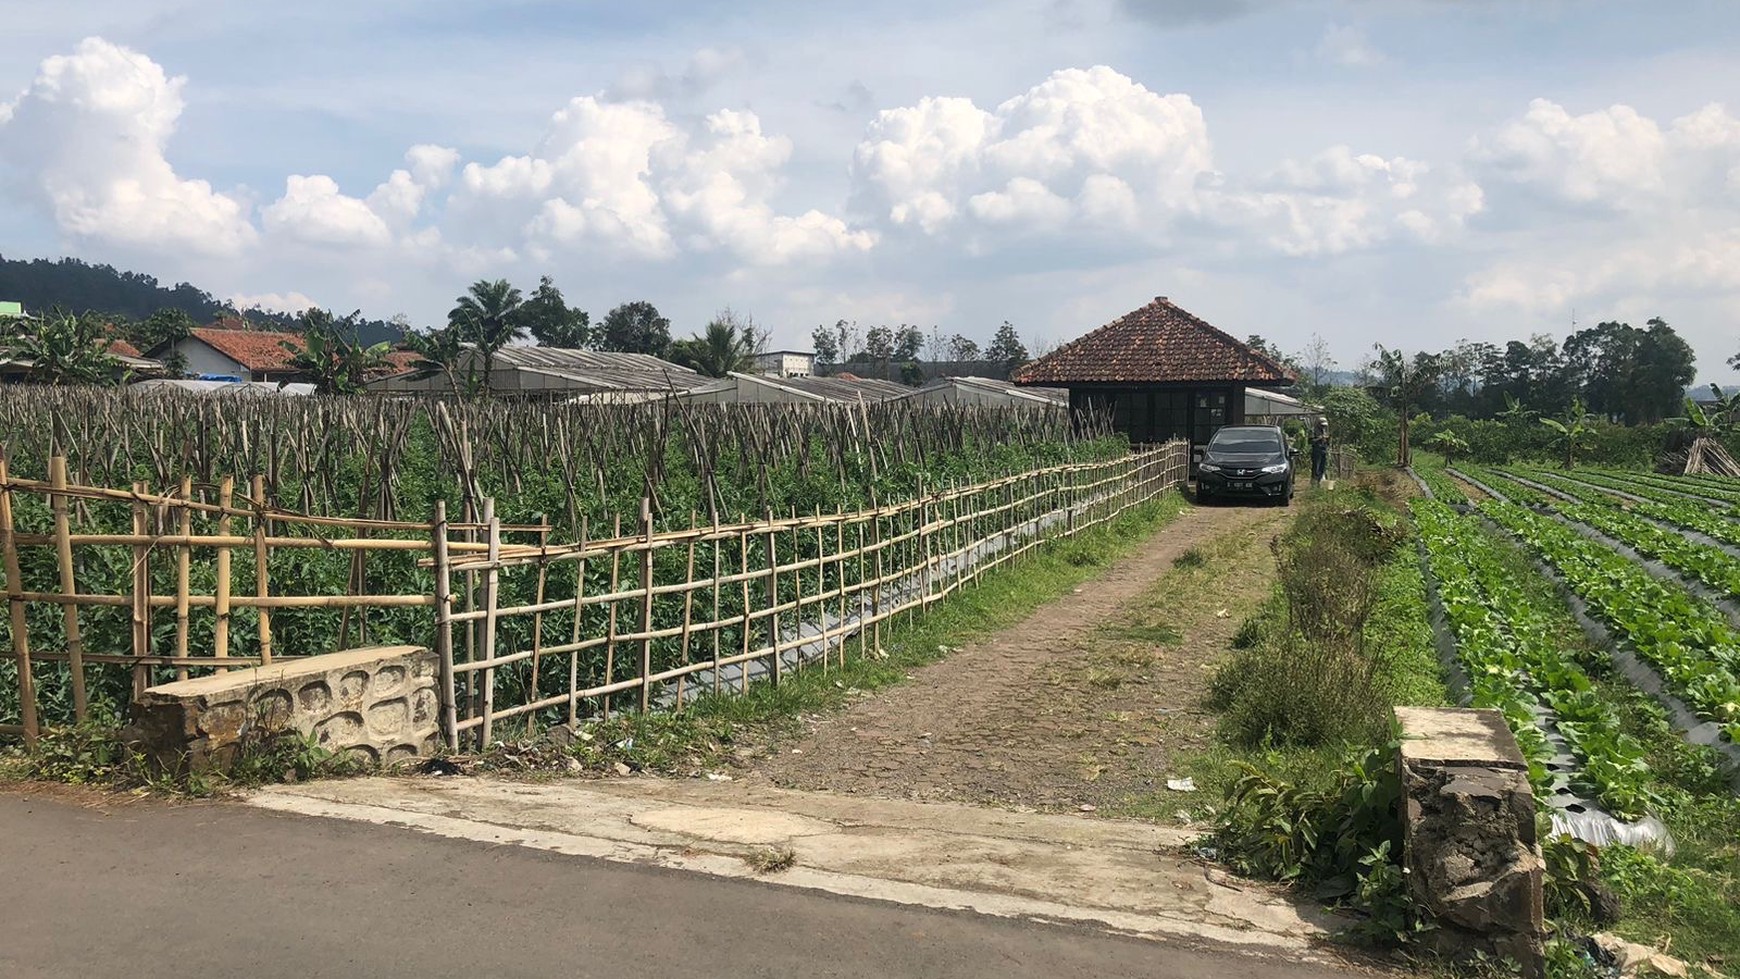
(1572, 432)
(1406, 383)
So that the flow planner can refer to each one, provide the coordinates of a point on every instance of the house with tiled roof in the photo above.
(1159, 372)
(250, 355)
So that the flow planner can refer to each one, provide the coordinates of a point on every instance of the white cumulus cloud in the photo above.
(626, 177)
(1075, 150)
(1093, 152)
(313, 211)
(90, 135)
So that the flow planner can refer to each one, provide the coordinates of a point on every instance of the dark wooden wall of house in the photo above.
(1156, 413)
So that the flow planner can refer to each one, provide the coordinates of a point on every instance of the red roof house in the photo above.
(1160, 372)
(252, 355)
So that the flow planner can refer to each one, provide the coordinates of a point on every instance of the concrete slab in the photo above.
(1126, 877)
(1457, 736)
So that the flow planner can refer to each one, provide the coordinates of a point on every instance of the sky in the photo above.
(1404, 172)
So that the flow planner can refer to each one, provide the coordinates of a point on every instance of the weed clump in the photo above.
(1308, 678)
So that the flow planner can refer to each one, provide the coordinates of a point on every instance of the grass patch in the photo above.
(702, 734)
(1191, 558)
(1153, 634)
(1399, 633)
(94, 754)
(772, 860)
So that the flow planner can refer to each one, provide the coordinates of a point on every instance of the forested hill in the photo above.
(41, 284)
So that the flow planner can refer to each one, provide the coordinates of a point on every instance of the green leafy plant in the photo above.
(1572, 432)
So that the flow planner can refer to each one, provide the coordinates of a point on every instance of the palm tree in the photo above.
(724, 348)
(488, 318)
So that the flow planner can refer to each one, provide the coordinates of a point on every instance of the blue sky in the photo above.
(1402, 171)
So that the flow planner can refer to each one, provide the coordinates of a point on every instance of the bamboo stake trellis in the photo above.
(715, 606)
(806, 586)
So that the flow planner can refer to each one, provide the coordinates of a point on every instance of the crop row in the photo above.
(1684, 485)
(1510, 649)
(1441, 485)
(1624, 483)
(1710, 565)
(1680, 512)
(1687, 641)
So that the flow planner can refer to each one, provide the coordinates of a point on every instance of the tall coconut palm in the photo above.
(488, 318)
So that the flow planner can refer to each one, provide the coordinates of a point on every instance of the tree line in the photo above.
(879, 348)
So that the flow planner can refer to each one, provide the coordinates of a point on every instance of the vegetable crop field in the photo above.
(1599, 611)
(580, 473)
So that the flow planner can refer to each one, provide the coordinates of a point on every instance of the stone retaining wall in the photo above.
(378, 703)
(1469, 837)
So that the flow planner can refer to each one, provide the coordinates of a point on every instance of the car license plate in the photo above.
(1239, 484)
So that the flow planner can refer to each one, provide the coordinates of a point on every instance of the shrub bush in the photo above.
(1308, 679)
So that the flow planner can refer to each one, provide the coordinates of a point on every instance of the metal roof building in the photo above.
(987, 392)
(551, 372)
(759, 389)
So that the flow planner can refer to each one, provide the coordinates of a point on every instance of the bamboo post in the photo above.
(15, 608)
(924, 536)
(610, 633)
(221, 634)
(717, 547)
(858, 592)
(579, 614)
(748, 622)
(538, 620)
(491, 587)
(646, 604)
(183, 573)
(141, 597)
(840, 579)
(444, 627)
(688, 610)
(773, 599)
(75, 647)
(262, 561)
(876, 589)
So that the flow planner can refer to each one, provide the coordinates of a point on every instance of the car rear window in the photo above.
(1247, 442)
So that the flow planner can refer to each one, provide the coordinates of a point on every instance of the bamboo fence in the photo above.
(717, 607)
(524, 628)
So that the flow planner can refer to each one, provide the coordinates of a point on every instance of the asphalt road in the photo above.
(139, 889)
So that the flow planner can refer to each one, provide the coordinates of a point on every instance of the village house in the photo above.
(1159, 372)
(786, 363)
(226, 350)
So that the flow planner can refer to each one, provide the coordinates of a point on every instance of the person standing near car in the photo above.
(1319, 451)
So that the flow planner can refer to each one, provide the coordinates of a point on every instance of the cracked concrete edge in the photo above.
(863, 810)
(1240, 939)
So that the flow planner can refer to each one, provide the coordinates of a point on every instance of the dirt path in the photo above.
(1076, 706)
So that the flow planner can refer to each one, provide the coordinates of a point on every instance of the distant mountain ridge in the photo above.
(76, 286)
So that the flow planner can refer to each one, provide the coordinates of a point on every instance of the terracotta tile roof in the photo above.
(398, 362)
(257, 350)
(122, 348)
(1156, 344)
